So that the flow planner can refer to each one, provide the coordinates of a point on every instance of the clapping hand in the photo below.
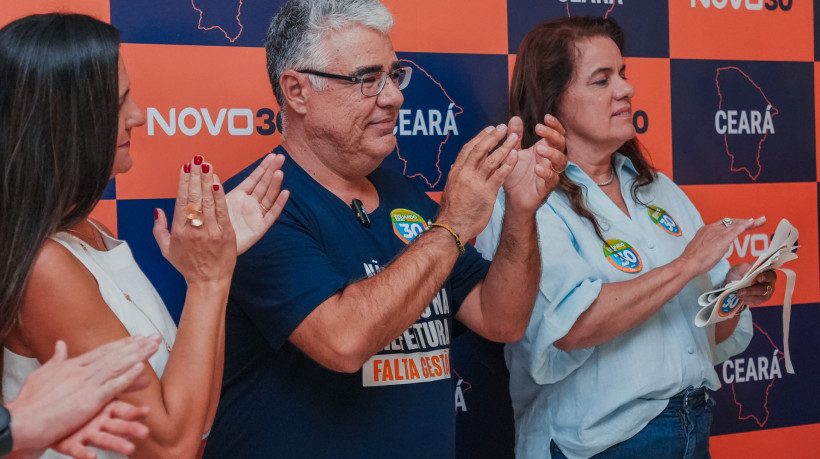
(537, 171)
(257, 202)
(710, 243)
(475, 177)
(202, 243)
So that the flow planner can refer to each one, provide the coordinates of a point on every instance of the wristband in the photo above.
(459, 245)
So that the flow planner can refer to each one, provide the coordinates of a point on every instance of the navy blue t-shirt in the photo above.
(278, 402)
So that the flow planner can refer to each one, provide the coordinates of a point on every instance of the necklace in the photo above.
(96, 240)
(127, 296)
(610, 179)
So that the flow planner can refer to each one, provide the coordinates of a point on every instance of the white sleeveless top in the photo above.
(118, 276)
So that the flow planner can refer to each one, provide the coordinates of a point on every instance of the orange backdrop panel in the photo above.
(14, 9)
(650, 77)
(454, 26)
(817, 114)
(775, 201)
(106, 213)
(188, 79)
(700, 32)
(801, 442)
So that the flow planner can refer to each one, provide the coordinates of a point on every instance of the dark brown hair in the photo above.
(543, 70)
(59, 108)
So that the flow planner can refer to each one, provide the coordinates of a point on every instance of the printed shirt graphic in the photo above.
(402, 398)
(429, 337)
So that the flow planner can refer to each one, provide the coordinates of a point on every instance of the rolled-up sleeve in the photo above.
(566, 290)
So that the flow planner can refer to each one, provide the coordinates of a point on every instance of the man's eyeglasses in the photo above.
(372, 83)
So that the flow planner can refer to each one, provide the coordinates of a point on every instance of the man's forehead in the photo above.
(361, 49)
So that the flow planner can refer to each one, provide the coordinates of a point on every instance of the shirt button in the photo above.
(690, 350)
(650, 244)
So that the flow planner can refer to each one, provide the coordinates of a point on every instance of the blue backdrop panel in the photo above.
(450, 99)
(134, 218)
(179, 23)
(729, 139)
(757, 390)
(645, 22)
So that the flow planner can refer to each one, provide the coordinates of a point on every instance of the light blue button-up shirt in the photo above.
(587, 400)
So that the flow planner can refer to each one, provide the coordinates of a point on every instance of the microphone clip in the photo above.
(361, 213)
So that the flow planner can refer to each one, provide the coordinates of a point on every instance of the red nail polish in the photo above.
(197, 160)
(206, 168)
(216, 187)
(156, 214)
(187, 168)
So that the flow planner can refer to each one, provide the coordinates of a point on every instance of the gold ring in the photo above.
(768, 290)
(727, 222)
(194, 215)
(557, 172)
(264, 209)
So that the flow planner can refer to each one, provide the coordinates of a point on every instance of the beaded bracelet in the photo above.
(459, 245)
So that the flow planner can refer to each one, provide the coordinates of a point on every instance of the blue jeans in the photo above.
(681, 431)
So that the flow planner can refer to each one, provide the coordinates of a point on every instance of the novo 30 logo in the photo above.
(755, 244)
(191, 121)
(751, 5)
(641, 121)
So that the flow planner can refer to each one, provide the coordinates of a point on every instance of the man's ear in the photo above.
(295, 89)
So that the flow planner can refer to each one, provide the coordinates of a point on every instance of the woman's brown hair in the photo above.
(543, 70)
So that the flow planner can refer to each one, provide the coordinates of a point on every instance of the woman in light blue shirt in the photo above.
(612, 364)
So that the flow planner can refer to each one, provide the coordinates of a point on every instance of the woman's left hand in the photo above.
(537, 170)
(257, 202)
(761, 289)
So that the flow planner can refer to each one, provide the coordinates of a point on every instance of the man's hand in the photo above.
(537, 171)
(257, 202)
(474, 181)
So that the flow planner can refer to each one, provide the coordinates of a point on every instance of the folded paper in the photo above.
(721, 304)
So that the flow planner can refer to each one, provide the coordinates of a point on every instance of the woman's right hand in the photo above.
(205, 253)
(713, 241)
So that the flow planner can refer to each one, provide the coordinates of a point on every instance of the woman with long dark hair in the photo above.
(66, 117)
(612, 364)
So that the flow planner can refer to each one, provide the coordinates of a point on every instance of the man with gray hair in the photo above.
(339, 320)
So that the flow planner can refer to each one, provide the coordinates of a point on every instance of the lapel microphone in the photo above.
(361, 214)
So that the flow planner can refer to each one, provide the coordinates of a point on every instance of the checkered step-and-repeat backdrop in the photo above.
(726, 103)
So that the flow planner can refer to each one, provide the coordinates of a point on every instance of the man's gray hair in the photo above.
(295, 33)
